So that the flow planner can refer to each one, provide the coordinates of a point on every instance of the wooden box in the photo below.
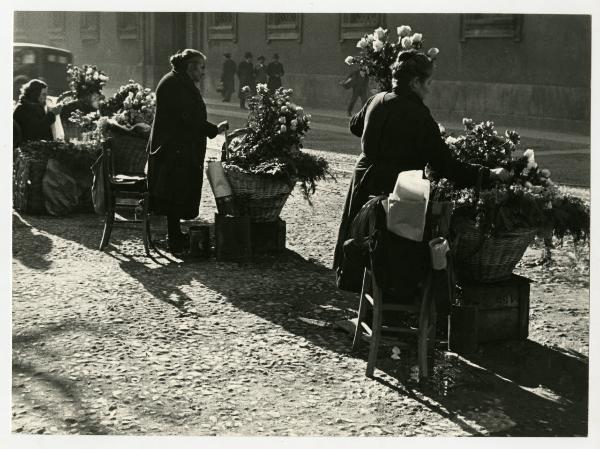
(232, 238)
(268, 237)
(503, 308)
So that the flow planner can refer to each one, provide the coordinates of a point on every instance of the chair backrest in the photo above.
(128, 153)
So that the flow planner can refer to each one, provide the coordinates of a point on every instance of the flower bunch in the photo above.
(85, 80)
(378, 52)
(272, 145)
(531, 200)
(87, 122)
(132, 104)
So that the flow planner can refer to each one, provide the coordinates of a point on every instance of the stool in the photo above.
(424, 305)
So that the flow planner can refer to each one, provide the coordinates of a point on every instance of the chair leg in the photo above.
(109, 219)
(424, 327)
(146, 225)
(375, 328)
(362, 310)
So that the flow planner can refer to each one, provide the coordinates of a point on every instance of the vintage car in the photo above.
(43, 62)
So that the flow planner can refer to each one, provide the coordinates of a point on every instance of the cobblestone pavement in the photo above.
(113, 343)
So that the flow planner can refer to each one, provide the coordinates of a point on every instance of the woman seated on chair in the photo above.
(397, 134)
(177, 144)
(30, 114)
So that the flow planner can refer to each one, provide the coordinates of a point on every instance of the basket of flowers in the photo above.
(494, 226)
(84, 97)
(378, 51)
(264, 161)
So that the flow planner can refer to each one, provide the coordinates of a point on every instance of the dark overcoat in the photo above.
(33, 121)
(245, 74)
(397, 134)
(177, 147)
(228, 76)
(275, 72)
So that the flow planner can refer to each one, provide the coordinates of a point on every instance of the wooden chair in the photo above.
(423, 304)
(124, 158)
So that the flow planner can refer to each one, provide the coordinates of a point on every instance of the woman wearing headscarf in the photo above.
(177, 144)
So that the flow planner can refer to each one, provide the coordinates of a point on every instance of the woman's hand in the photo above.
(500, 174)
(223, 127)
(56, 110)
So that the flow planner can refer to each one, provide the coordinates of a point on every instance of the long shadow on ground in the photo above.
(498, 392)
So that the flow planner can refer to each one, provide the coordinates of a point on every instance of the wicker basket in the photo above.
(28, 173)
(129, 151)
(488, 259)
(262, 196)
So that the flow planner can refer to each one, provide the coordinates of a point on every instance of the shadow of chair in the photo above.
(123, 163)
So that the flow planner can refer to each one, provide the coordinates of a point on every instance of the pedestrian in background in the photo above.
(358, 81)
(260, 71)
(245, 74)
(177, 145)
(275, 73)
(228, 77)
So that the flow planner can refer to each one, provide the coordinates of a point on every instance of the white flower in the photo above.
(308, 116)
(379, 33)
(406, 43)
(89, 71)
(403, 30)
(546, 173)
(283, 128)
(281, 119)
(442, 128)
(451, 140)
(284, 109)
(531, 164)
(416, 38)
(528, 184)
(95, 76)
(299, 109)
(377, 46)
(433, 52)
(362, 43)
(537, 189)
(529, 154)
(370, 38)
(294, 122)
(261, 88)
(349, 60)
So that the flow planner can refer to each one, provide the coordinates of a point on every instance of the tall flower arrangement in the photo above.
(378, 52)
(85, 80)
(272, 145)
(132, 104)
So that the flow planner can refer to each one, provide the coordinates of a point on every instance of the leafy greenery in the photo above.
(271, 145)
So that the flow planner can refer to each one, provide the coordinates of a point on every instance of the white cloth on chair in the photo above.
(407, 205)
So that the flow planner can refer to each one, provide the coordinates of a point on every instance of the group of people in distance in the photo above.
(249, 74)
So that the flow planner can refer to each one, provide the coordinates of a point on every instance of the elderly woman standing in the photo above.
(30, 114)
(397, 134)
(177, 144)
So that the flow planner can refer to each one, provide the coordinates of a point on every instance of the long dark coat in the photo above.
(245, 74)
(397, 134)
(275, 72)
(177, 147)
(228, 77)
(33, 121)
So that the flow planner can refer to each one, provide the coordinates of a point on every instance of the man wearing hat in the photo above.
(227, 77)
(275, 72)
(245, 74)
(260, 71)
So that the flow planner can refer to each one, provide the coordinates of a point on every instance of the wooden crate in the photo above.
(232, 238)
(503, 308)
(268, 237)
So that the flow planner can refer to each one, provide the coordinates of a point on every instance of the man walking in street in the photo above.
(228, 77)
(359, 82)
(260, 71)
(275, 72)
(245, 74)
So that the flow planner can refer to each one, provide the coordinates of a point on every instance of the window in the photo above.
(222, 26)
(58, 25)
(356, 25)
(20, 27)
(491, 26)
(90, 26)
(127, 25)
(284, 26)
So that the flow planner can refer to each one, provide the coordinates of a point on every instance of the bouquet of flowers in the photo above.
(378, 52)
(272, 143)
(85, 80)
(531, 200)
(132, 104)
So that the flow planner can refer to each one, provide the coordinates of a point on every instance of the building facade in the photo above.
(527, 70)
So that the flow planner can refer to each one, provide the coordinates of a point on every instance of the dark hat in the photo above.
(261, 58)
(227, 55)
(275, 55)
(247, 55)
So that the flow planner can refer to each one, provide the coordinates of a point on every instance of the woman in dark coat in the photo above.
(397, 134)
(178, 144)
(33, 120)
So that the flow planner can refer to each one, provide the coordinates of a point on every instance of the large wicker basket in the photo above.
(480, 258)
(262, 196)
(28, 173)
